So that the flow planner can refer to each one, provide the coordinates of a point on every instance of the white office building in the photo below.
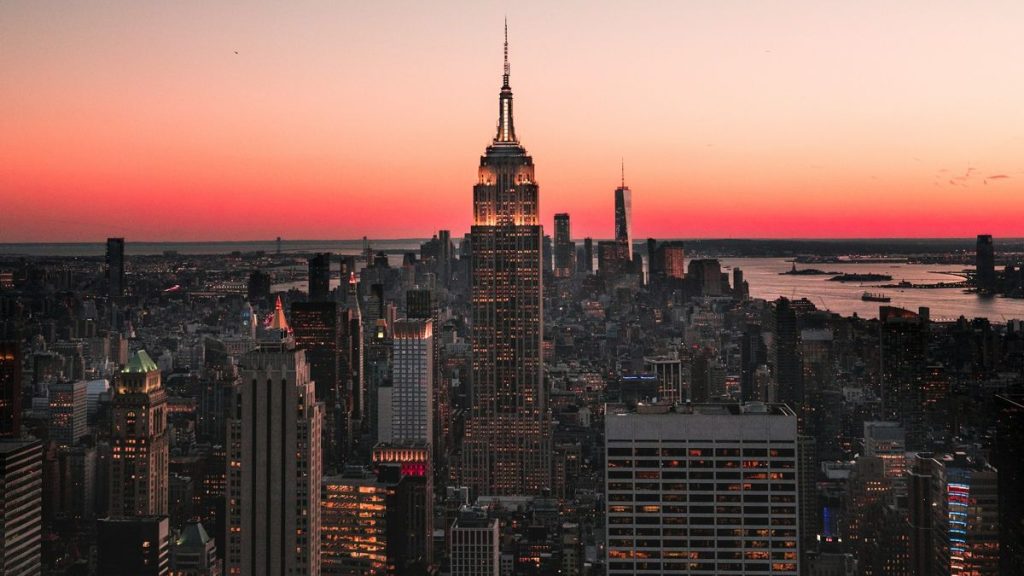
(703, 489)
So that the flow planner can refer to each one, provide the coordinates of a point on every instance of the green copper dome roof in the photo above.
(141, 362)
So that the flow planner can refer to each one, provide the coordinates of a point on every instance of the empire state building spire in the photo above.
(506, 128)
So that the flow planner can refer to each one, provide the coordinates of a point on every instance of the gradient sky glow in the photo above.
(343, 119)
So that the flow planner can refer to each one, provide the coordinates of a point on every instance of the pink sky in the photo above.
(338, 120)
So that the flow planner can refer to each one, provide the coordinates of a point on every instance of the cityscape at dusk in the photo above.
(805, 119)
(490, 289)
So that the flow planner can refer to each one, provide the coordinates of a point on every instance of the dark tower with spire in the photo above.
(506, 448)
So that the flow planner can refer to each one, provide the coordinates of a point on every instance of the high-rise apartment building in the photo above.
(274, 467)
(139, 441)
(422, 304)
(412, 382)
(565, 250)
(68, 412)
(506, 445)
(21, 507)
(702, 489)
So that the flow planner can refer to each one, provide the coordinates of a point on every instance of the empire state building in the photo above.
(506, 448)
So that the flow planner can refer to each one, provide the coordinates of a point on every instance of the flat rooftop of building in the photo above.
(720, 409)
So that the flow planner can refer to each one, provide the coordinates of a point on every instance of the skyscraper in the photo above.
(667, 262)
(318, 327)
(565, 250)
(1008, 458)
(21, 506)
(115, 267)
(139, 441)
(506, 447)
(904, 351)
(965, 517)
(258, 288)
(354, 539)
(274, 467)
(10, 389)
(68, 406)
(588, 255)
(624, 217)
(702, 489)
(788, 364)
(412, 383)
(320, 277)
(985, 264)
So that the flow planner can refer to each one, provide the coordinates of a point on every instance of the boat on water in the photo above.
(873, 297)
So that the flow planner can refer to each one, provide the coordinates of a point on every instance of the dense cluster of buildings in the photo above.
(500, 404)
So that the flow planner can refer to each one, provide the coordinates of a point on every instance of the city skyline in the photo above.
(493, 398)
(809, 121)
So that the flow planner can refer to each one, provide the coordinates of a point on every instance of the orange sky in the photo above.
(338, 120)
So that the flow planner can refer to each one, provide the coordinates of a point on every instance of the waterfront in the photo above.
(845, 297)
(763, 275)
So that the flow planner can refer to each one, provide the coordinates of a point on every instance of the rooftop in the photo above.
(141, 362)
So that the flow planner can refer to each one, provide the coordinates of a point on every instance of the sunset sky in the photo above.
(330, 120)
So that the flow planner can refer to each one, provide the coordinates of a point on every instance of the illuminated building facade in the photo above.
(369, 518)
(354, 532)
(412, 382)
(139, 441)
(408, 467)
(274, 467)
(702, 489)
(965, 520)
(506, 445)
